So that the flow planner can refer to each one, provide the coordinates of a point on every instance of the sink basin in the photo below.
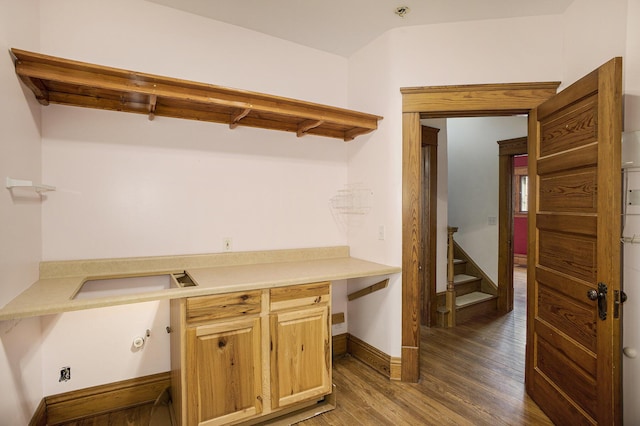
(105, 287)
(122, 286)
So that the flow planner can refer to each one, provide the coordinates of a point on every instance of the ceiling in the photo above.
(344, 26)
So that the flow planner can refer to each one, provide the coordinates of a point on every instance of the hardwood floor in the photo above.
(470, 375)
(136, 416)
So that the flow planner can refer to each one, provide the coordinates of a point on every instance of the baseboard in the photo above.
(339, 344)
(396, 368)
(388, 366)
(520, 259)
(75, 405)
(95, 400)
(40, 416)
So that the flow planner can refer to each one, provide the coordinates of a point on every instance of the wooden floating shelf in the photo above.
(67, 82)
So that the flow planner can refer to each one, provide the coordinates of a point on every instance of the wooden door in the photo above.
(300, 355)
(573, 348)
(224, 372)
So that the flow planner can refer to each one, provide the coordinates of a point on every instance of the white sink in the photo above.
(120, 286)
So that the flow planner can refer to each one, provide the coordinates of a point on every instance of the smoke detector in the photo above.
(401, 11)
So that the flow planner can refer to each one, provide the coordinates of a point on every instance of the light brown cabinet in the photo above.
(300, 343)
(240, 356)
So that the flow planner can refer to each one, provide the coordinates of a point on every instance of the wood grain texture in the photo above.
(209, 308)
(300, 291)
(67, 82)
(438, 102)
(339, 344)
(368, 290)
(223, 358)
(300, 355)
(369, 355)
(411, 242)
(337, 318)
(475, 100)
(573, 365)
(102, 399)
(485, 388)
(39, 418)
(430, 224)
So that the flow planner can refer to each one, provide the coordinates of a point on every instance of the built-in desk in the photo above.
(218, 273)
(250, 332)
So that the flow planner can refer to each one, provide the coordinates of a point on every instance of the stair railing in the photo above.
(451, 290)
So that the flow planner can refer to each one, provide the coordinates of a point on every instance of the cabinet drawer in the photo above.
(208, 308)
(300, 295)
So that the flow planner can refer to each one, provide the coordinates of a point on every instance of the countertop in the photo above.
(213, 273)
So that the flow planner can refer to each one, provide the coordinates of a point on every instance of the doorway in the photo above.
(441, 102)
(508, 150)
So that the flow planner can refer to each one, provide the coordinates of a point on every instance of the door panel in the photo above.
(224, 375)
(569, 191)
(300, 355)
(573, 356)
(569, 129)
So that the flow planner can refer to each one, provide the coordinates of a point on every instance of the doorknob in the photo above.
(601, 296)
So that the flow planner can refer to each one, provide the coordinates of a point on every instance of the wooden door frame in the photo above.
(506, 151)
(430, 218)
(441, 102)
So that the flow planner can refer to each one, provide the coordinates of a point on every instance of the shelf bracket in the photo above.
(368, 290)
(153, 99)
(27, 184)
(235, 119)
(350, 135)
(307, 125)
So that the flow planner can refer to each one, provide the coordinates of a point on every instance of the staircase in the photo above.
(471, 298)
(471, 291)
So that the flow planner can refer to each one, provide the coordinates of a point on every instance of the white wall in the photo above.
(128, 186)
(594, 32)
(20, 353)
(461, 53)
(473, 184)
(631, 331)
(133, 211)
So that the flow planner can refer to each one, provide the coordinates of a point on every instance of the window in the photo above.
(520, 185)
(523, 205)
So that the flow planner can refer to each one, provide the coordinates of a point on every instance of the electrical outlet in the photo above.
(65, 374)
(226, 244)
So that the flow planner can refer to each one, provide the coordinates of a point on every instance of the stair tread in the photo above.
(458, 261)
(463, 278)
(471, 298)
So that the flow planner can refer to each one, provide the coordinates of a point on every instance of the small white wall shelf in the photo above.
(27, 184)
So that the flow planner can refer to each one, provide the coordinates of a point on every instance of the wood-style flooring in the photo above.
(472, 374)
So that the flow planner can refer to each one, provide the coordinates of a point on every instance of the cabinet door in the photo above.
(300, 355)
(223, 372)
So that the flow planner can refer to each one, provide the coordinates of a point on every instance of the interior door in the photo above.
(573, 325)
